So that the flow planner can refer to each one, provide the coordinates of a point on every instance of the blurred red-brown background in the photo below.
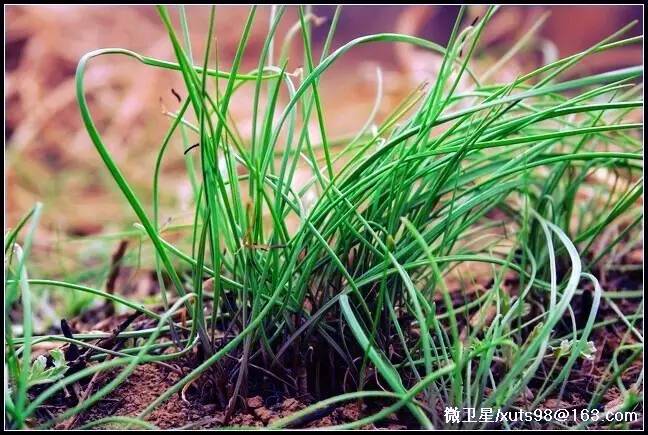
(49, 157)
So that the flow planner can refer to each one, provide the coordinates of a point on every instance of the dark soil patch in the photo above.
(266, 401)
(149, 381)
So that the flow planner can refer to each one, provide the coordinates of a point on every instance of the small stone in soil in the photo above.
(255, 402)
(265, 415)
(291, 405)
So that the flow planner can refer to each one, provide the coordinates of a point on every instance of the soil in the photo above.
(197, 409)
(149, 381)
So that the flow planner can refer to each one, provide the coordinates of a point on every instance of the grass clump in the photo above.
(355, 285)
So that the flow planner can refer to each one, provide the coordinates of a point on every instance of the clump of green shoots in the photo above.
(495, 174)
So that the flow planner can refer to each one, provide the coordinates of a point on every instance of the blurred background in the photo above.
(49, 157)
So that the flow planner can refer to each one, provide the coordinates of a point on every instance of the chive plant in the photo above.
(498, 174)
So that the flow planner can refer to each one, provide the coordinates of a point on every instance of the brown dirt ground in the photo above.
(149, 381)
(194, 410)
